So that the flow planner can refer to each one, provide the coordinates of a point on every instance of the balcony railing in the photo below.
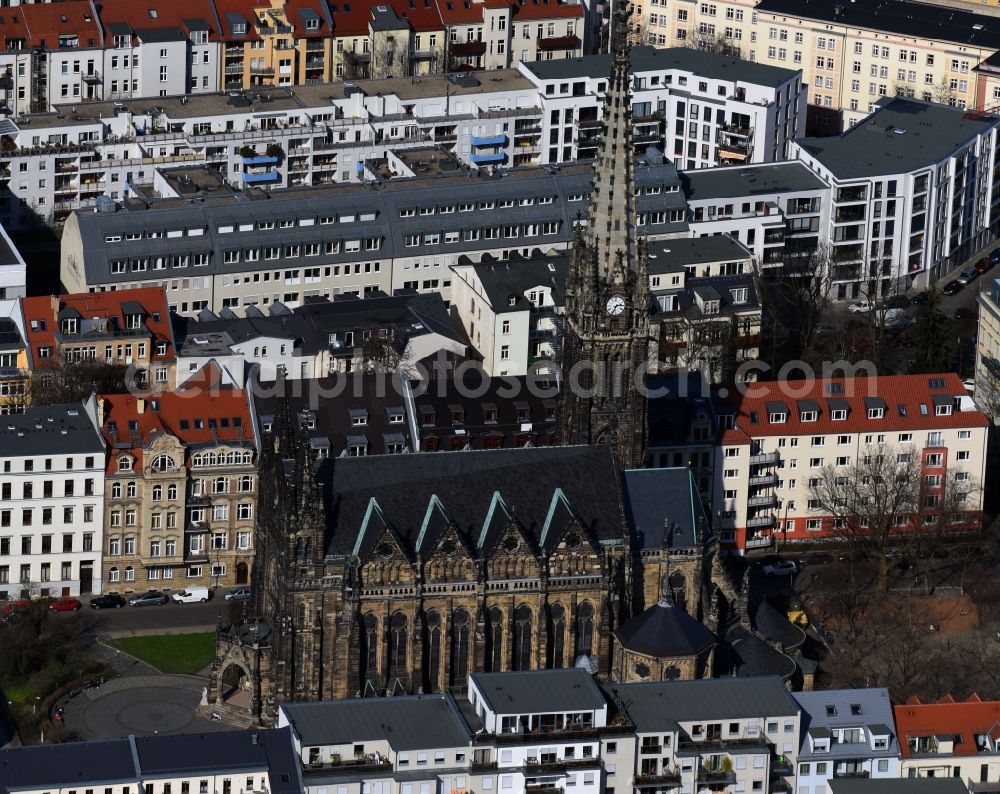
(668, 778)
(764, 459)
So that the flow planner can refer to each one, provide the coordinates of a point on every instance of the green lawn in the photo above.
(171, 653)
(21, 692)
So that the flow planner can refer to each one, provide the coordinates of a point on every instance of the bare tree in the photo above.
(71, 382)
(709, 42)
(382, 354)
(883, 499)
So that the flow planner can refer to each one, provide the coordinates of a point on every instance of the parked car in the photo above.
(961, 313)
(995, 255)
(967, 276)
(238, 594)
(920, 298)
(984, 264)
(10, 607)
(149, 598)
(191, 595)
(860, 307)
(107, 601)
(780, 568)
(953, 287)
(895, 318)
(970, 385)
(66, 604)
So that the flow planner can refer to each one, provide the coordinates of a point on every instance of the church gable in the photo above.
(568, 547)
(514, 556)
(440, 547)
(381, 552)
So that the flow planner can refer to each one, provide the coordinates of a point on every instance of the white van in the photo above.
(191, 595)
(896, 318)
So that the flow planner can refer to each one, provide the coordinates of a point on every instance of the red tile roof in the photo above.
(195, 416)
(293, 12)
(245, 9)
(152, 14)
(545, 9)
(965, 719)
(41, 318)
(422, 16)
(44, 23)
(351, 18)
(908, 401)
(461, 12)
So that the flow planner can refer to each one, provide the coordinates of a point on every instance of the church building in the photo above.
(393, 574)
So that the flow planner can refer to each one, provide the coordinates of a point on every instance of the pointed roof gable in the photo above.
(373, 525)
(558, 518)
(435, 522)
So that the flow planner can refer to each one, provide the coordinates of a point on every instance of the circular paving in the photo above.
(139, 706)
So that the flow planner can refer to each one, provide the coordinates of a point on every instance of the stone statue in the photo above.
(204, 696)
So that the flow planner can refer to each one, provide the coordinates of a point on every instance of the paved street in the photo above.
(167, 618)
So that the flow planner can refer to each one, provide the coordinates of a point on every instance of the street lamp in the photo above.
(118, 663)
(34, 705)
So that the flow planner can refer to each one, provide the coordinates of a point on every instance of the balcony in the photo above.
(716, 777)
(467, 49)
(763, 480)
(489, 140)
(758, 541)
(560, 766)
(550, 43)
(720, 743)
(856, 773)
(733, 153)
(667, 778)
(769, 500)
(764, 459)
(350, 766)
(486, 159)
(735, 129)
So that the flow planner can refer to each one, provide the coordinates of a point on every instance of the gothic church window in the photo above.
(397, 642)
(371, 643)
(460, 648)
(496, 640)
(433, 666)
(558, 629)
(522, 638)
(584, 630)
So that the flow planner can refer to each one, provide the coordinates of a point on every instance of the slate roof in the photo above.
(540, 691)
(758, 179)
(743, 653)
(875, 707)
(651, 59)
(671, 255)
(710, 288)
(665, 631)
(330, 404)
(652, 496)
(411, 722)
(478, 490)
(67, 765)
(513, 277)
(773, 625)
(348, 200)
(914, 20)
(903, 135)
(50, 430)
(653, 705)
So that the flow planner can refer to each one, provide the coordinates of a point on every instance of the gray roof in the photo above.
(513, 277)
(665, 631)
(748, 181)
(383, 203)
(655, 705)
(913, 20)
(407, 723)
(903, 135)
(744, 653)
(67, 765)
(651, 59)
(192, 753)
(909, 785)
(50, 430)
(875, 714)
(540, 691)
(654, 496)
(478, 490)
(673, 254)
(160, 35)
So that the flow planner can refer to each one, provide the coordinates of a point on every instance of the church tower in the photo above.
(606, 338)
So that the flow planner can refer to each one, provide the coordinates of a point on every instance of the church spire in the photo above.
(612, 201)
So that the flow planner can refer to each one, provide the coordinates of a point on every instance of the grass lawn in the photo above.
(171, 653)
(20, 692)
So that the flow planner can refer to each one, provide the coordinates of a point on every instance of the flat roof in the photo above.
(917, 20)
(676, 252)
(749, 180)
(652, 59)
(539, 691)
(903, 135)
(406, 722)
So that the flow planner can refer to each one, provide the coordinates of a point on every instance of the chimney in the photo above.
(140, 405)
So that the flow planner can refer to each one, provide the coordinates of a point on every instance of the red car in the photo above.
(10, 607)
(983, 265)
(66, 604)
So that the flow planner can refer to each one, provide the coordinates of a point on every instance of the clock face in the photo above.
(616, 305)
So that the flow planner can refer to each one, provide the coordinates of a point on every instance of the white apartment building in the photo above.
(848, 733)
(726, 735)
(511, 309)
(780, 434)
(987, 374)
(776, 210)
(915, 191)
(361, 131)
(701, 108)
(52, 511)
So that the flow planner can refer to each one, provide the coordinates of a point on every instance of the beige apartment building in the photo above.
(181, 489)
(849, 55)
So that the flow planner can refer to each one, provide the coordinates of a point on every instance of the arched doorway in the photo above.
(242, 573)
(235, 686)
